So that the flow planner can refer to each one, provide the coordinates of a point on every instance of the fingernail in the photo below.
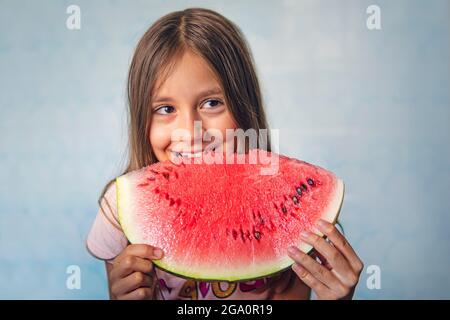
(297, 267)
(158, 253)
(321, 223)
(305, 234)
(292, 250)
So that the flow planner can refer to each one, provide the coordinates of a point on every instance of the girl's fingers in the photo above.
(319, 288)
(131, 282)
(342, 244)
(340, 265)
(138, 294)
(316, 270)
(283, 281)
(130, 264)
(143, 251)
(316, 254)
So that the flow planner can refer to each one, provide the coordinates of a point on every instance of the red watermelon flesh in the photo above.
(226, 222)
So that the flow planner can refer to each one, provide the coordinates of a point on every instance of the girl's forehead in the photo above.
(188, 71)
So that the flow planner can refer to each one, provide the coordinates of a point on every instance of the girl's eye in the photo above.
(213, 103)
(164, 110)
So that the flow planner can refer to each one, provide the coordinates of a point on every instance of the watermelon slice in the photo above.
(226, 222)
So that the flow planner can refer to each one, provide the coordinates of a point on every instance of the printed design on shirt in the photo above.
(204, 288)
(199, 290)
(219, 292)
(163, 286)
(189, 290)
(246, 287)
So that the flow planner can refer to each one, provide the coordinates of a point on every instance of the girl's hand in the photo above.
(338, 273)
(129, 275)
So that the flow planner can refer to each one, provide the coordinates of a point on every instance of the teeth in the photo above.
(191, 155)
(187, 155)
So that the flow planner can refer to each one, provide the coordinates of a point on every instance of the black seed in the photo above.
(242, 235)
(310, 182)
(283, 208)
(294, 198)
(299, 191)
(304, 187)
(257, 235)
(141, 185)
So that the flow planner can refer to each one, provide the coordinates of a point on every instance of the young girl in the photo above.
(194, 65)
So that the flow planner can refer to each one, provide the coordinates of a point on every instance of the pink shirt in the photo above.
(106, 240)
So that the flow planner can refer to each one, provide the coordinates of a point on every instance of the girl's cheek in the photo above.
(159, 139)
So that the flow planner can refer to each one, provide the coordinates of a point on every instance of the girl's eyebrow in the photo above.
(208, 92)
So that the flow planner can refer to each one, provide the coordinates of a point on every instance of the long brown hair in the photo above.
(223, 46)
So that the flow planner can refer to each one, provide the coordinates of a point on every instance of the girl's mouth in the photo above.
(198, 154)
(186, 154)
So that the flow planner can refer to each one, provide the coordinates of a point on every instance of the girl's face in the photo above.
(190, 93)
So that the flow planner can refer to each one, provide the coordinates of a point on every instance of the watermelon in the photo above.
(227, 221)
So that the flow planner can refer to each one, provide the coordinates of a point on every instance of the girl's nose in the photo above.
(192, 127)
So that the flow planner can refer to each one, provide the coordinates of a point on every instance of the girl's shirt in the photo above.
(106, 240)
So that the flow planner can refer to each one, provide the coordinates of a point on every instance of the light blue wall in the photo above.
(373, 106)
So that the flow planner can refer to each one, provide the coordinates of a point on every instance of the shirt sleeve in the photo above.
(106, 239)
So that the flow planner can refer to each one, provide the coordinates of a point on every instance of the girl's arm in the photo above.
(109, 267)
(289, 287)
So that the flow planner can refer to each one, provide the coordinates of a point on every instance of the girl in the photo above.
(194, 65)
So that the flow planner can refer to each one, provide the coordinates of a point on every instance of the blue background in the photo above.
(372, 106)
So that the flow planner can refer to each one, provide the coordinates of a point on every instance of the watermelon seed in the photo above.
(142, 184)
(257, 235)
(294, 198)
(234, 234)
(292, 214)
(166, 175)
(299, 191)
(310, 182)
(304, 187)
(283, 208)
(242, 234)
